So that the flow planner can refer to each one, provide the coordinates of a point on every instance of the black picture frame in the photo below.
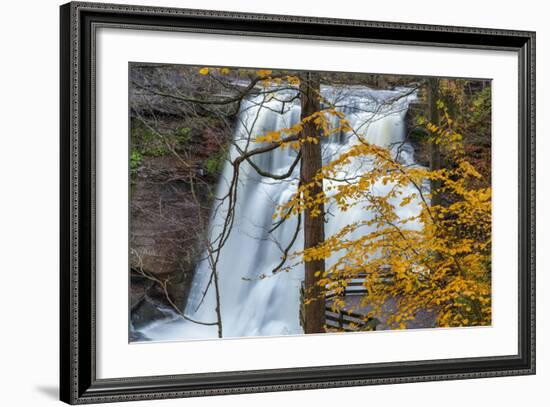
(78, 382)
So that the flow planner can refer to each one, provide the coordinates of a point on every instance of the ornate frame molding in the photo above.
(78, 380)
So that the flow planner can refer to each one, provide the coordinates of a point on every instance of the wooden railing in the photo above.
(353, 286)
(342, 319)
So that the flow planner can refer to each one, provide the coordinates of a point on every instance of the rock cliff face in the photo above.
(177, 150)
(415, 135)
(170, 202)
(160, 237)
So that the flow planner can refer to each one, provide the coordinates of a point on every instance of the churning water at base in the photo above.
(254, 306)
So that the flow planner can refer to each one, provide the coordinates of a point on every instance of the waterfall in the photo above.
(255, 306)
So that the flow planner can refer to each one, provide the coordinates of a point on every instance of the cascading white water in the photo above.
(253, 306)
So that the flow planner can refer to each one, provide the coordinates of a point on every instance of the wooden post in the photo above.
(314, 234)
(435, 153)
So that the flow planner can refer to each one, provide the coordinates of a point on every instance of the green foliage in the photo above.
(214, 164)
(135, 161)
(182, 135)
(418, 134)
(152, 144)
(144, 141)
(481, 109)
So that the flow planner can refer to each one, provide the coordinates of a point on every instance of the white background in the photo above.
(29, 202)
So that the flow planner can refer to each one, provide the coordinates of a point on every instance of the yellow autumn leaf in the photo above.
(264, 72)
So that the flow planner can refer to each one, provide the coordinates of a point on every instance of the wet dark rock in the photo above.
(136, 336)
(147, 310)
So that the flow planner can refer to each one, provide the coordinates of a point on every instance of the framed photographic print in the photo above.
(257, 203)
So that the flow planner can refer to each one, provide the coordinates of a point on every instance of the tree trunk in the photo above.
(314, 318)
(435, 153)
